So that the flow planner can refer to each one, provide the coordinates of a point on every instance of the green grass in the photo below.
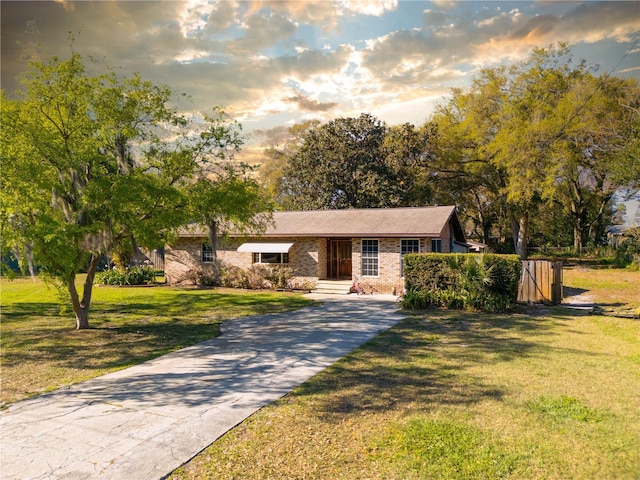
(608, 286)
(545, 393)
(564, 408)
(41, 350)
(434, 448)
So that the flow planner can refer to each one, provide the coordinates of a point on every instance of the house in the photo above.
(363, 245)
(477, 247)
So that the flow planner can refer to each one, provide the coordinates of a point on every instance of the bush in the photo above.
(477, 282)
(278, 276)
(628, 252)
(256, 278)
(137, 275)
(233, 277)
(202, 277)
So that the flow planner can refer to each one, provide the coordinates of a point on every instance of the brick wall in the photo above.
(389, 270)
(307, 257)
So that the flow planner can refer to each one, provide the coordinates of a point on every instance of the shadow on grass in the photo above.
(427, 359)
(572, 291)
(126, 331)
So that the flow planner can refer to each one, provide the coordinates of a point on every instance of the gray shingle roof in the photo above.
(371, 222)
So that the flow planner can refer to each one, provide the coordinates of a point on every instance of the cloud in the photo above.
(222, 16)
(262, 31)
(513, 35)
(272, 62)
(66, 4)
(308, 104)
(369, 7)
(273, 136)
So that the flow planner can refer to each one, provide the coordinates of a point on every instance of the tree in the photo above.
(229, 200)
(597, 154)
(92, 164)
(409, 157)
(271, 172)
(539, 132)
(352, 163)
(339, 165)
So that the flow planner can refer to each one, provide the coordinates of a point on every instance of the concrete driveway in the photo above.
(145, 421)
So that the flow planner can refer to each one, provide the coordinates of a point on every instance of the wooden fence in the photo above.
(541, 282)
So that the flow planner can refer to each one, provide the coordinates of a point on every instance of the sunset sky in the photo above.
(273, 64)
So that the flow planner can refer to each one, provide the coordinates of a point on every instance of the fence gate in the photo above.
(541, 282)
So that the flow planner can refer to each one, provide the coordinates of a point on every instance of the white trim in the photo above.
(362, 240)
(265, 247)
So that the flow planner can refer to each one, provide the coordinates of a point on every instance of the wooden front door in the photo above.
(339, 259)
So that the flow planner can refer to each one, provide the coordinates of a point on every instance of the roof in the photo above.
(370, 222)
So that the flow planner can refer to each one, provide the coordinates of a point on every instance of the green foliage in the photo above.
(350, 163)
(540, 146)
(256, 277)
(96, 164)
(136, 275)
(278, 276)
(233, 277)
(627, 254)
(479, 282)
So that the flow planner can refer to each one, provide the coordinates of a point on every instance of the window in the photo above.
(436, 245)
(206, 255)
(408, 246)
(270, 257)
(370, 258)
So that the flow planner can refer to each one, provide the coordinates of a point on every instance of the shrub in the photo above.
(256, 278)
(233, 277)
(415, 299)
(478, 282)
(278, 275)
(138, 275)
(628, 252)
(203, 277)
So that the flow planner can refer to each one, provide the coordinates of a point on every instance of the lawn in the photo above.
(544, 393)
(42, 351)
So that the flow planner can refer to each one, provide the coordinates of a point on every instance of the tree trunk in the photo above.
(213, 241)
(520, 235)
(81, 307)
(577, 238)
(28, 251)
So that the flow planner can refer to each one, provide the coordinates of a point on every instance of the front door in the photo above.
(339, 259)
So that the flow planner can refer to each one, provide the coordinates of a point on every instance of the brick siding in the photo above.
(307, 258)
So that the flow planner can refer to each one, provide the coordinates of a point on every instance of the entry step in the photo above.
(333, 287)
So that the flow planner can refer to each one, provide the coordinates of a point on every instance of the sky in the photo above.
(273, 64)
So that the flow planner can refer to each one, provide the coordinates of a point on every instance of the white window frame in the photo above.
(369, 257)
(404, 251)
(206, 253)
(438, 242)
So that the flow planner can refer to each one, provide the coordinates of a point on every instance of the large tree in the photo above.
(94, 163)
(542, 131)
(339, 165)
(597, 154)
(351, 163)
(271, 172)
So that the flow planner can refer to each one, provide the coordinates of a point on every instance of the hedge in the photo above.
(486, 282)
